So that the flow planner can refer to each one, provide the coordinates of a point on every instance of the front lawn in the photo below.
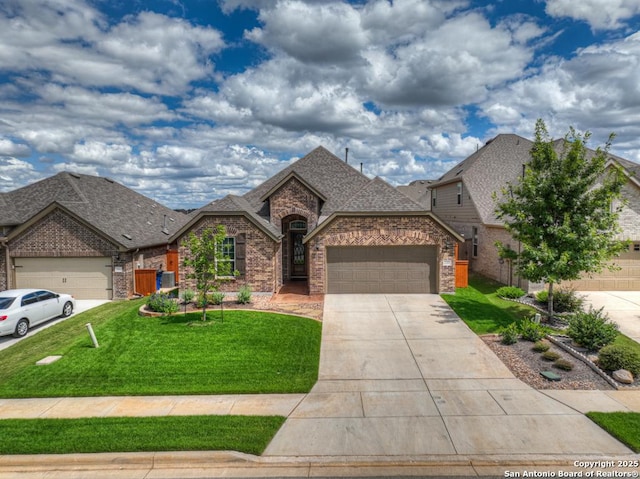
(248, 352)
(624, 426)
(482, 310)
(250, 434)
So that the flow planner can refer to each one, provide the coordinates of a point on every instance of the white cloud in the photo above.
(15, 173)
(73, 44)
(98, 153)
(597, 90)
(599, 14)
(10, 148)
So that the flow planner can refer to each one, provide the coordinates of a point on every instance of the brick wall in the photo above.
(629, 219)
(381, 231)
(293, 198)
(261, 255)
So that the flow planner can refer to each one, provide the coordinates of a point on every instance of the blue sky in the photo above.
(187, 101)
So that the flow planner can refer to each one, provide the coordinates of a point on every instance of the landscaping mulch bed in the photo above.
(527, 364)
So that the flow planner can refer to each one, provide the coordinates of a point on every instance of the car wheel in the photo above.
(21, 328)
(67, 309)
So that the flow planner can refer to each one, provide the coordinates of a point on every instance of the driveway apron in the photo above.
(402, 375)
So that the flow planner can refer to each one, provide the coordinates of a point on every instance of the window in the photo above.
(636, 247)
(459, 194)
(433, 197)
(229, 251)
(474, 242)
(45, 295)
(29, 299)
(298, 225)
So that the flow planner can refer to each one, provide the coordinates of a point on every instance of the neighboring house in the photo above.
(420, 191)
(83, 235)
(464, 199)
(323, 222)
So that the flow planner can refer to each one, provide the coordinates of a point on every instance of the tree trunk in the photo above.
(550, 300)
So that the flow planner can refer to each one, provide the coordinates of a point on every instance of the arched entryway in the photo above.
(295, 260)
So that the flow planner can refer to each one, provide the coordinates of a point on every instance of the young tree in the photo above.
(563, 210)
(208, 261)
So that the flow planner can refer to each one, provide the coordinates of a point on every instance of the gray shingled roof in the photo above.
(325, 172)
(378, 196)
(232, 204)
(498, 162)
(110, 207)
(418, 190)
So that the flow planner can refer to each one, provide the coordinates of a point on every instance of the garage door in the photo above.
(627, 278)
(381, 269)
(84, 278)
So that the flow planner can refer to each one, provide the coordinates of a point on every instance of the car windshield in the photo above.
(6, 302)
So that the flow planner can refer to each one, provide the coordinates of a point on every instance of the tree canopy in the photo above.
(564, 209)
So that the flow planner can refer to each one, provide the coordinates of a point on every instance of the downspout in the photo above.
(133, 269)
(7, 260)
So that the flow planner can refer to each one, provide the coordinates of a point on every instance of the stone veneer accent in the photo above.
(262, 272)
(381, 231)
(3, 268)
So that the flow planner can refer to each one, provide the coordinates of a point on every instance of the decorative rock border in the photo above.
(588, 362)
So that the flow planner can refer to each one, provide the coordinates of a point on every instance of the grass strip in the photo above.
(482, 310)
(250, 352)
(624, 426)
(249, 434)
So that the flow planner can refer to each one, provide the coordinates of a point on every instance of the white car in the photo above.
(21, 309)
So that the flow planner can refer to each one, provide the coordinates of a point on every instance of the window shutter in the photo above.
(241, 249)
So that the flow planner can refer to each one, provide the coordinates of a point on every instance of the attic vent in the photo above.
(459, 172)
(75, 175)
(165, 231)
(109, 180)
(127, 236)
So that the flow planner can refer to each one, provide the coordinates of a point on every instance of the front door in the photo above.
(298, 255)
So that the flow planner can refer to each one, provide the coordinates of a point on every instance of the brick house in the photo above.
(323, 222)
(83, 235)
(463, 198)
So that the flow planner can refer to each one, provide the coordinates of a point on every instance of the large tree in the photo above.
(208, 261)
(564, 210)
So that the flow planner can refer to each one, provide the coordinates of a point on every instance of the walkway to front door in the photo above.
(402, 375)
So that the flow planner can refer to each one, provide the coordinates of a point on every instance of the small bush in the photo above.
(509, 334)
(510, 292)
(614, 357)
(550, 356)
(592, 329)
(162, 303)
(563, 364)
(531, 331)
(187, 295)
(541, 346)
(217, 298)
(244, 295)
(564, 300)
(202, 301)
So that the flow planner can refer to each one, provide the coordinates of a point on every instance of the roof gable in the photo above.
(121, 214)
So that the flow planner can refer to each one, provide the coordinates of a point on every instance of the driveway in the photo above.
(623, 307)
(402, 375)
(81, 306)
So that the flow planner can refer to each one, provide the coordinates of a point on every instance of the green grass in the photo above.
(624, 426)
(249, 352)
(482, 310)
(125, 434)
(627, 342)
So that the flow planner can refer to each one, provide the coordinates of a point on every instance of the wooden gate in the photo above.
(146, 282)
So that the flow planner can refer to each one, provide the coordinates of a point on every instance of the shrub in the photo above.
(592, 329)
(615, 356)
(509, 334)
(217, 298)
(162, 303)
(510, 292)
(541, 346)
(531, 331)
(187, 295)
(550, 356)
(564, 300)
(202, 301)
(244, 295)
(563, 364)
